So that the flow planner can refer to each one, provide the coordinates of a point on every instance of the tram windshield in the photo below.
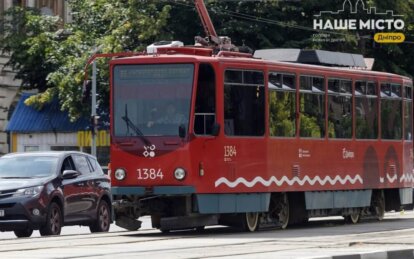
(151, 99)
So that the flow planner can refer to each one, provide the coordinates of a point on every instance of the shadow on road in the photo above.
(326, 227)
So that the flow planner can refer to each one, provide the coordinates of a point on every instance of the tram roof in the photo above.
(250, 60)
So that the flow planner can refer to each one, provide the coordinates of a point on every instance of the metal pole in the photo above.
(93, 110)
(93, 90)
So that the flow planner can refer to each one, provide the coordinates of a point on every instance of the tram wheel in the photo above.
(279, 209)
(283, 214)
(378, 205)
(250, 221)
(200, 229)
(353, 218)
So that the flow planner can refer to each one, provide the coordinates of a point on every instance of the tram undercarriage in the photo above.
(183, 212)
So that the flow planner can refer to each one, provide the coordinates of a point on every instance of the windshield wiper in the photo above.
(131, 125)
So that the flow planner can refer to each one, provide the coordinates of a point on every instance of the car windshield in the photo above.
(151, 100)
(27, 166)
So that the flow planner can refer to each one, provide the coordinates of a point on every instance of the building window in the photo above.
(19, 2)
(64, 148)
(244, 103)
(46, 11)
(31, 3)
(68, 12)
(31, 148)
(47, 7)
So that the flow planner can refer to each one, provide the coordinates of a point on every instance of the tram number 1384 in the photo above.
(149, 173)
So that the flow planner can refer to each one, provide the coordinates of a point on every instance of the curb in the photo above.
(392, 254)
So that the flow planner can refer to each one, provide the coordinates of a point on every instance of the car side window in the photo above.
(95, 166)
(67, 164)
(82, 164)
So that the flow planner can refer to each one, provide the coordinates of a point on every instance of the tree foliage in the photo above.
(51, 57)
(29, 40)
(289, 24)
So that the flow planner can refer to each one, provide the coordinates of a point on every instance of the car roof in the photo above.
(47, 153)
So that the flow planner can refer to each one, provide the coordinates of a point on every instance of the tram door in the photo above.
(205, 107)
(206, 127)
(244, 127)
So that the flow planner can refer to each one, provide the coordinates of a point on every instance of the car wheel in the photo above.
(103, 219)
(23, 232)
(54, 221)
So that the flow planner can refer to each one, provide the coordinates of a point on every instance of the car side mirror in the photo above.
(181, 131)
(215, 131)
(70, 174)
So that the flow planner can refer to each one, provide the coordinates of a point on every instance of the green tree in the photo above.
(51, 57)
(282, 111)
(29, 39)
(289, 24)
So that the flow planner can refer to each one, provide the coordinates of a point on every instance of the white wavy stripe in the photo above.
(285, 179)
(407, 178)
(390, 178)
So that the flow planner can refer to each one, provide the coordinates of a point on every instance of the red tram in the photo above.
(200, 138)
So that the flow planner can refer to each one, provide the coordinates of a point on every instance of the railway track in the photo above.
(318, 238)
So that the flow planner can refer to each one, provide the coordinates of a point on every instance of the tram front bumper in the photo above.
(153, 190)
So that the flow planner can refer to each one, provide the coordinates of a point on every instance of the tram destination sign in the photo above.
(148, 72)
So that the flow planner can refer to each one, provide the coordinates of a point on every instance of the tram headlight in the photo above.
(120, 174)
(179, 174)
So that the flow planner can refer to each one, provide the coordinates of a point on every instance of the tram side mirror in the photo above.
(181, 131)
(215, 131)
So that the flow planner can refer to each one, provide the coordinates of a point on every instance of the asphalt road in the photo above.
(319, 238)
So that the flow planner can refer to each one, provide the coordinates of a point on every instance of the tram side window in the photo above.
(312, 107)
(366, 110)
(339, 108)
(244, 103)
(391, 111)
(205, 109)
(282, 105)
(408, 116)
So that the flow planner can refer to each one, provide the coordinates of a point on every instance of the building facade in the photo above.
(50, 129)
(47, 7)
(9, 87)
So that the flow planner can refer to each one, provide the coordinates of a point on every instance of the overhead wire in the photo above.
(279, 23)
